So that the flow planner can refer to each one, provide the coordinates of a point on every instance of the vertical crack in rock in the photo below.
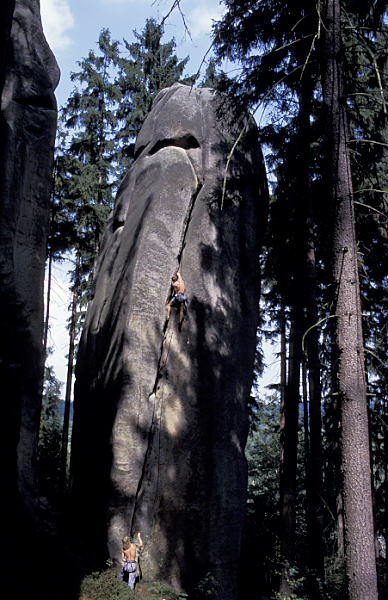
(187, 223)
(163, 357)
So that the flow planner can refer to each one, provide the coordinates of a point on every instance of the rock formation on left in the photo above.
(29, 75)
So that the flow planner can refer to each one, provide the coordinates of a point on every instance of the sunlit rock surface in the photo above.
(160, 414)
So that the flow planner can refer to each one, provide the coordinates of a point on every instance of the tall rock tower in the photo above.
(29, 75)
(161, 416)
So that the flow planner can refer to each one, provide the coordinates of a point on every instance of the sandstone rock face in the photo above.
(160, 419)
(27, 133)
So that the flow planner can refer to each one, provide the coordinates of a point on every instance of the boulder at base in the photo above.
(161, 415)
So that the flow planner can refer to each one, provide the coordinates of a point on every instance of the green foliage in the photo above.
(335, 588)
(86, 165)
(259, 552)
(162, 590)
(50, 433)
(148, 67)
(207, 588)
(305, 585)
(90, 113)
(262, 452)
(213, 77)
(276, 49)
(104, 585)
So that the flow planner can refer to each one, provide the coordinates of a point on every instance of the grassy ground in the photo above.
(47, 564)
(106, 586)
(56, 570)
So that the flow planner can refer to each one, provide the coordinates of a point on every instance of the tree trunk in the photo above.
(283, 382)
(314, 484)
(48, 299)
(290, 446)
(386, 472)
(360, 563)
(305, 414)
(283, 354)
(333, 492)
(66, 417)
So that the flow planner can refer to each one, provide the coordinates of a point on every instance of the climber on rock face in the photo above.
(178, 299)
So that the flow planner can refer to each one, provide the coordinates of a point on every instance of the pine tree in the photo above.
(357, 496)
(148, 67)
(49, 445)
(262, 518)
(213, 76)
(366, 51)
(62, 234)
(88, 175)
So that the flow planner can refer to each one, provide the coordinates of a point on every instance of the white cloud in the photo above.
(133, 3)
(201, 19)
(57, 19)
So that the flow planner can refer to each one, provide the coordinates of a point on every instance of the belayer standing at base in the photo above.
(128, 555)
(179, 297)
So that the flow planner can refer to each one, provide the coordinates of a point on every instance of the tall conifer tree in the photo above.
(360, 559)
(149, 66)
(89, 173)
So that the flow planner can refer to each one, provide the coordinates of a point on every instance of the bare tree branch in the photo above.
(176, 4)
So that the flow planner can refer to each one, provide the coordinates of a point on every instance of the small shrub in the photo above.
(165, 592)
(104, 585)
(208, 587)
(335, 577)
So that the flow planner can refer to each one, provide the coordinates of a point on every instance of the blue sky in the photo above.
(72, 28)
